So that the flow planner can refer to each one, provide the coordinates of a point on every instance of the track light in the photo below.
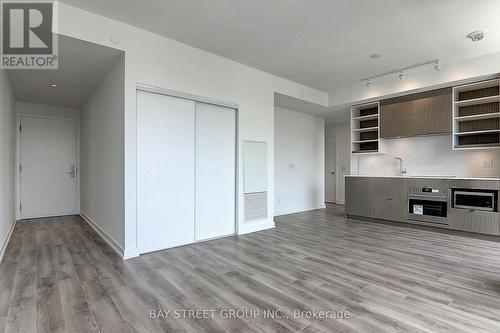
(400, 72)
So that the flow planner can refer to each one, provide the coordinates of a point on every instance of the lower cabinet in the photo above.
(359, 196)
(474, 221)
(387, 199)
(390, 202)
(377, 197)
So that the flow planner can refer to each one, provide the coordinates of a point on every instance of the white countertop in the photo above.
(428, 177)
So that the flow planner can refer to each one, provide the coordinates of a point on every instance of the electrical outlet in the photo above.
(487, 164)
(291, 165)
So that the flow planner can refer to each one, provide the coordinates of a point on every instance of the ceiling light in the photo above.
(375, 56)
(53, 85)
(401, 75)
(368, 83)
(437, 66)
(476, 36)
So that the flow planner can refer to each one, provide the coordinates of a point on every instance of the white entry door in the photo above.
(331, 169)
(48, 170)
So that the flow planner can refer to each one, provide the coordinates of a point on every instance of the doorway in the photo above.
(331, 169)
(48, 167)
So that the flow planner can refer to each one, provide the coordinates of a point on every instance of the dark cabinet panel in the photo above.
(391, 199)
(419, 114)
(380, 198)
(359, 196)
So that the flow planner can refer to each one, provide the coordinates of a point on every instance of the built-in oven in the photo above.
(428, 204)
(475, 199)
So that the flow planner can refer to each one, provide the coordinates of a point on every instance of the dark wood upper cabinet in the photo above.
(418, 114)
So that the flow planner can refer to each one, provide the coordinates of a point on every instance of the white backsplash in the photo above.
(429, 156)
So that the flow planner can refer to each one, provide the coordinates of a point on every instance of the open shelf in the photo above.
(365, 141)
(476, 115)
(368, 129)
(365, 151)
(479, 116)
(478, 101)
(477, 146)
(478, 132)
(365, 128)
(369, 117)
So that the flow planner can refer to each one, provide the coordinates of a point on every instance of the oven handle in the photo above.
(430, 198)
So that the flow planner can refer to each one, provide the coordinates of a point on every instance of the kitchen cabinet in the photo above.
(475, 221)
(380, 198)
(391, 199)
(386, 198)
(418, 114)
(359, 194)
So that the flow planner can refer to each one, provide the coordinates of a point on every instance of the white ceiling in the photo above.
(321, 43)
(295, 104)
(82, 65)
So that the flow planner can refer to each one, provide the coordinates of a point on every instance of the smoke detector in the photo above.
(476, 36)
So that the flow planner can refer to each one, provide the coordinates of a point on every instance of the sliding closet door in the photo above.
(215, 171)
(165, 171)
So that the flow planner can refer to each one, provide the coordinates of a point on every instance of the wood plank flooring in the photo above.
(59, 276)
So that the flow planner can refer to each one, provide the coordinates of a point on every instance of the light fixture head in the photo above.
(437, 66)
(53, 85)
(476, 36)
(401, 75)
(374, 56)
(368, 83)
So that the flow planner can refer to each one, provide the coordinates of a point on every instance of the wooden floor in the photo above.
(58, 276)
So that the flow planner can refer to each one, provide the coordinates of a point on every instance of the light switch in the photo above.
(291, 165)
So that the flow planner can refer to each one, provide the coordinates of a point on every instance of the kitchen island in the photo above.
(458, 203)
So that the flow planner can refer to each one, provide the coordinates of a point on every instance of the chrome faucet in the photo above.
(402, 171)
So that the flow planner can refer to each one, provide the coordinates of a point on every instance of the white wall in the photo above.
(102, 155)
(46, 110)
(342, 132)
(7, 161)
(299, 162)
(429, 155)
(161, 62)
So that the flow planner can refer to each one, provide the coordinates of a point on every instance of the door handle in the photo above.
(72, 173)
(332, 173)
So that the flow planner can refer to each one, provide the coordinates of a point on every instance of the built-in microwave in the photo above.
(474, 199)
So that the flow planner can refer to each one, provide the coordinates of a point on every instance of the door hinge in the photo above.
(20, 207)
(20, 128)
(20, 167)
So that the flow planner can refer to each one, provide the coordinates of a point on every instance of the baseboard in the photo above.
(258, 225)
(299, 210)
(131, 253)
(336, 202)
(104, 235)
(7, 239)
